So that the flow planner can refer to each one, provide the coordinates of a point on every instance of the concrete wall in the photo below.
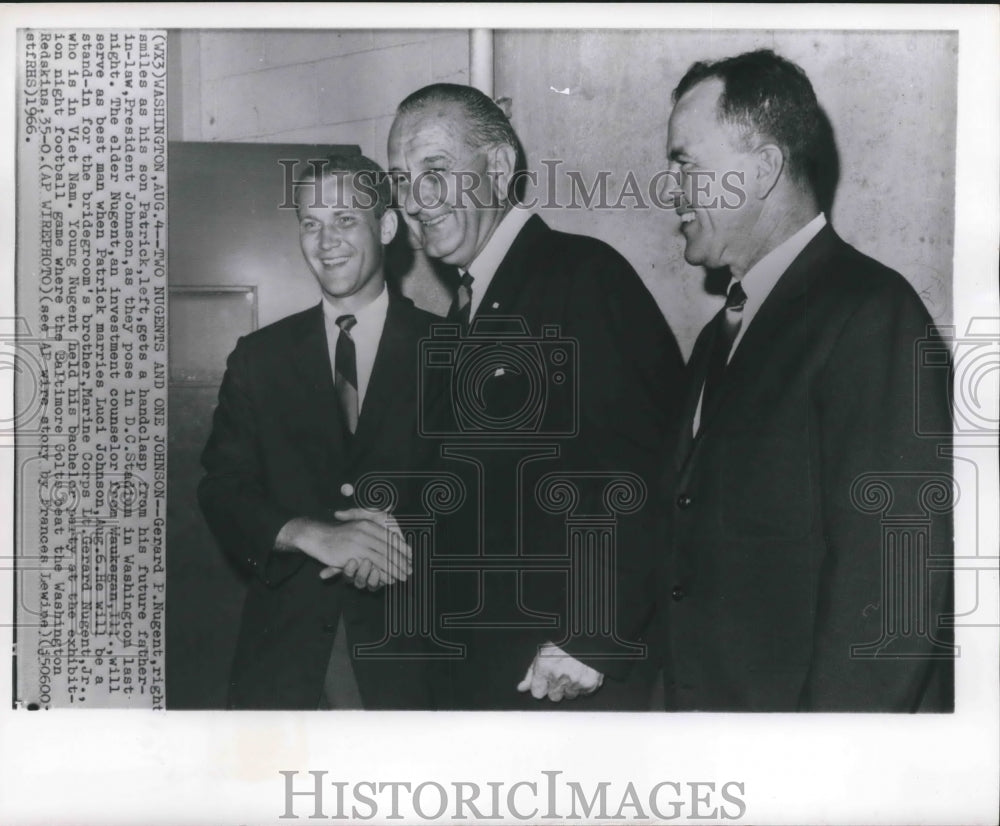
(306, 86)
(890, 96)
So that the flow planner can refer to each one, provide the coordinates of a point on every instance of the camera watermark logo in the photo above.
(970, 365)
(410, 627)
(498, 381)
(920, 558)
(500, 405)
(912, 602)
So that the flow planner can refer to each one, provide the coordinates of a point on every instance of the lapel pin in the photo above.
(496, 305)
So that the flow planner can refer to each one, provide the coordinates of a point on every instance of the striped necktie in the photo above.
(461, 307)
(729, 327)
(346, 373)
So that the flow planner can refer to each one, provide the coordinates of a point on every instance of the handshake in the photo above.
(365, 546)
(368, 548)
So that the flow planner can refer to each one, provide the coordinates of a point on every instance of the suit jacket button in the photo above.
(678, 593)
(683, 501)
(347, 489)
(330, 627)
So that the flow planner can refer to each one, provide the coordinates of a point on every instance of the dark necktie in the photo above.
(346, 373)
(730, 322)
(461, 307)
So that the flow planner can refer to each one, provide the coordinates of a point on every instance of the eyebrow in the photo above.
(434, 159)
(337, 212)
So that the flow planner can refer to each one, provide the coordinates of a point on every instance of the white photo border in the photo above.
(110, 767)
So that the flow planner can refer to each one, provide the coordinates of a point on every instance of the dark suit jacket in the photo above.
(774, 567)
(277, 451)
(627, 375)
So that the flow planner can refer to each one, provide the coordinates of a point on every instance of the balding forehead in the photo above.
(437, 109)
(435, 112)
(435, 119)
(703, 95)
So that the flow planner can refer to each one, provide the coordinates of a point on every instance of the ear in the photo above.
(506, 105)
(770, 162)
(502, 159)
(413, 230)
(388, 224)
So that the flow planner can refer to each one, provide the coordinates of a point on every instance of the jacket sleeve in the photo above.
(886, 501)
(233, 494)
(630, 392)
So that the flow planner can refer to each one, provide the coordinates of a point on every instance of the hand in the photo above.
(556, 674)
(369, 538)
(362, 571)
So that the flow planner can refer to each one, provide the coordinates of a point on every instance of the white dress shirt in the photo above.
(486, 264)
(760, 280)
(367, 333)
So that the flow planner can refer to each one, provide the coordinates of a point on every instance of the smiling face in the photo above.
(455, 195)
(719, 212)
(343, 241)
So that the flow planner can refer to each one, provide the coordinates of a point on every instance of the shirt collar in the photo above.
(369, 314)
(486, 264)
(760, 279)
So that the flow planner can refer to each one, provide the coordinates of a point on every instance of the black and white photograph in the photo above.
(475, 415)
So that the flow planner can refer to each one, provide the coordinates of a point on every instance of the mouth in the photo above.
(430, 223)
(333, 262)
(683, 208)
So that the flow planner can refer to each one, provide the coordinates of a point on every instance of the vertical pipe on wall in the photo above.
(481, 60)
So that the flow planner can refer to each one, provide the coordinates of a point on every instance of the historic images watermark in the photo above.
(665, 189)
(551, 797)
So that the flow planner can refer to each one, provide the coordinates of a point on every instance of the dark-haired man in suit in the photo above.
(458, 161)
(307, 407)
(802, 391)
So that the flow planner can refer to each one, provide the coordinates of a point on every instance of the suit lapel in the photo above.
(395, 361)
(517, 268)
(312, 393)
(695, 373)
(777, 312)
(784, 298)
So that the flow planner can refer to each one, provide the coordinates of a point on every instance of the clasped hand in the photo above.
(365, 546)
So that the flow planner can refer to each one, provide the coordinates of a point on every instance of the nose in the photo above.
(404, 196)
(673, 185)
(426, 193)
(410, 202)
(329, 238)
(417, 198)
(399, 182)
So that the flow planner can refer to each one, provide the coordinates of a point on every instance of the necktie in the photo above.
(346, 373)
(461, 307)
(729, 326)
